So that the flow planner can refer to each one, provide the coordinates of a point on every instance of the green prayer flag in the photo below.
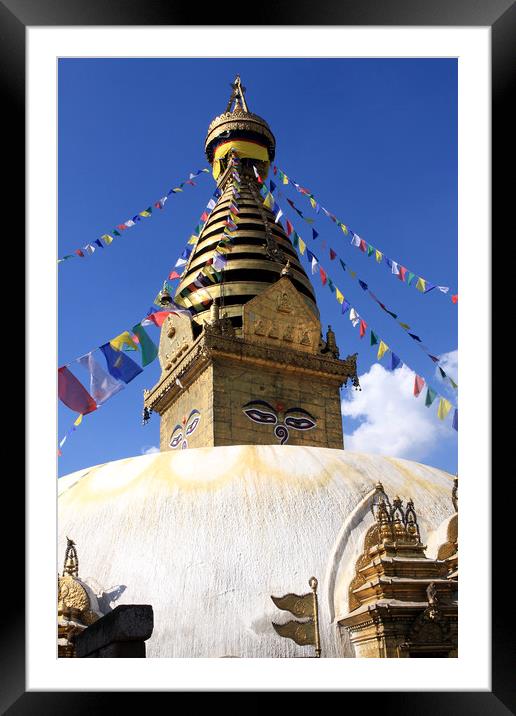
(430, 397)
(116, 233)
(149, 349)
(410, 276)
(374, 338)
(453, 382)
(370, 249)
(295, 240)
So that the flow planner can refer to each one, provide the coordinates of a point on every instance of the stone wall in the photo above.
(237, 383)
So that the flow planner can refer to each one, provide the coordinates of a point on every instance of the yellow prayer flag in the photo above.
(313, 202)
(382, 349)
(123, 339)
(145, 213)
(352, 273)
(107, 238)
(378, 255)
(269, 201)
(340, 296)
(344, 228)
(177, 189)
(285, 179)
(78, 420)
(421, 285)
(193, 239)
(443, 409)
(302, 246)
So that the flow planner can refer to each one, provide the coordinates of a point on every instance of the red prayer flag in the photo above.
(363, 326)
(363, 245)
(204, 216)
(418, 385)
(158, 317)
(72, 393)
(121, 227)
(402, 273)
(324, 278)
(275, 170)
(455, 298)
(79, 252)
(173, 275)
(333, 255)
(290, 228)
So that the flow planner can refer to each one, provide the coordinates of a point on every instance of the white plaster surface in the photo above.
(207, 535)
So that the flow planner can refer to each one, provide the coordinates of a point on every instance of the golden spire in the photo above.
(237, 95)
(71, 560)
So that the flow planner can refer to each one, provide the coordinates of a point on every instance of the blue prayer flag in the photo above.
(119, 365)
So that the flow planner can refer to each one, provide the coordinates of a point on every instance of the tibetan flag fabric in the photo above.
(73, 394)
(302, 246)
(345, 306)
(395, 268)
(173, 275)
(363, 326)
(418, 385)
(323, 275)
(382, 349)
(410, 277)
(414, 337)
(455, 298)
(315, 234)
(333, 255)
(290, 228)
(354, 317)
(339, 295)
(378, 255)
(157, 318)
(430, 397)
(443, 289)
(421, 285)
(124, 339)
(395, 361)
(149, 348)
(455, 423)
(99, 243)
(443, 409)
(102, 385)
(107, 238)
(363, 285)
(402, 273)
(119, 365)
(374, 338)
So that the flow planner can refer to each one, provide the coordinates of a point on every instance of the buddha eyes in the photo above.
(191, 426)
(260, 416)
(177, 436)
(300, 423)
(180, 434)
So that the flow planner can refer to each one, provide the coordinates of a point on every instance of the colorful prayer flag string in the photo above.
(404, 275)
(107, 239)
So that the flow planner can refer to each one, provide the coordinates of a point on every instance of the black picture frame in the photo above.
(500, 16)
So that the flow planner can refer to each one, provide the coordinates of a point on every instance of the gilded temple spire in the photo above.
(237, 95)
(71, 560)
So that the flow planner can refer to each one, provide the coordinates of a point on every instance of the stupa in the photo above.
(252, 493)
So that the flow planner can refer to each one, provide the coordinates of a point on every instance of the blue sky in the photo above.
(375, 140)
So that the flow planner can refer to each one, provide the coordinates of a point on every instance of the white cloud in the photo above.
(149, 450)
(394, 422)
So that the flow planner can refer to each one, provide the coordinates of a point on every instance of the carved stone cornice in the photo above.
(216, 342)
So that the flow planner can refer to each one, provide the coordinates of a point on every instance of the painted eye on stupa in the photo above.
(299, 419)
(260, 412)
(192, 422)
(177, 436)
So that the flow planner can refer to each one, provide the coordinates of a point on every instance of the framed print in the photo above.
(280, 232)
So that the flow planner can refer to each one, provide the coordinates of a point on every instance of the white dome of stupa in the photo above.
(207, 535)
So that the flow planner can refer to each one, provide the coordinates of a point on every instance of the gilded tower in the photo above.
(251, 366)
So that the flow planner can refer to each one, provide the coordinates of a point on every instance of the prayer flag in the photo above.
(394, 268)
(315, 234)
(102, 385)
(302, 246)
(323, 275)
(414, 337)
(149, 348)
(430, 397)
(363, 326)
(173, 275)
(420, 285)
(455, 423)
(455, 298)
(146, 212)
(354, 317)
(119, 365)
(410, 277)
(395, 361)
(443, 289)
(345, 306)
(122, 340)
(378, 255)
(333, 255)
(443, 409)
(382, 349)
(290, 228)
(363, 285)
(374, 338)
(418, 385)
(339, 295)
(73, 394)
(99, 243)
